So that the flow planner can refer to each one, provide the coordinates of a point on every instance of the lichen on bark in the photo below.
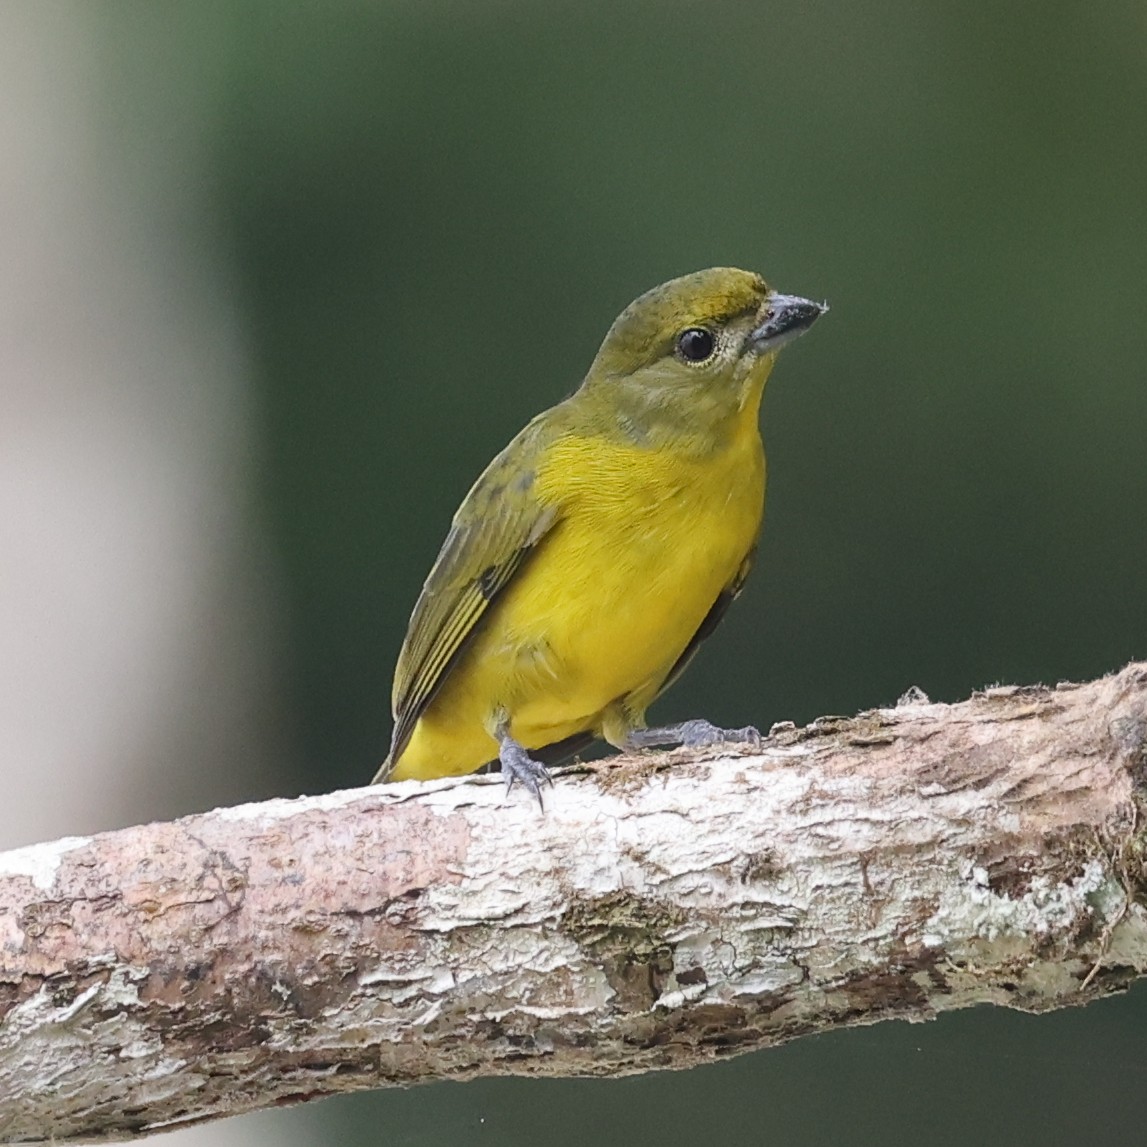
(666, 910)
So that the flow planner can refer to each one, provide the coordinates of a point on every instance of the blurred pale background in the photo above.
(277, 279)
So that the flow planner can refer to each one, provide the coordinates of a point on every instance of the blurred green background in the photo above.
(430, 212)
(435, 211)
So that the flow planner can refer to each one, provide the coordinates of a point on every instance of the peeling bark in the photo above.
(667, 909)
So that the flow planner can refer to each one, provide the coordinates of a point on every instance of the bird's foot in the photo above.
(692, 735)
(518, 765)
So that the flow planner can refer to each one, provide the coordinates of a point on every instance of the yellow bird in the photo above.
(596, 552)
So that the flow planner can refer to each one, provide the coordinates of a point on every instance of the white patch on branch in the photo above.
(40, 862)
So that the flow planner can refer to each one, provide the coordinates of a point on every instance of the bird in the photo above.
(598, 550)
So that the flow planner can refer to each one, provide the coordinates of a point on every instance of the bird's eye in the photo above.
(696, 344)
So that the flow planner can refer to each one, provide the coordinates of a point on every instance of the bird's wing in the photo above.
(711, 620)
(497, 527)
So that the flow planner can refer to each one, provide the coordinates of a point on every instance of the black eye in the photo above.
(695, 344)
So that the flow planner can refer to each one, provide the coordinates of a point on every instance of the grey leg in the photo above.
(691, 734)
(518, 765)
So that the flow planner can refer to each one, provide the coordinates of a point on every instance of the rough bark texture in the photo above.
(665, 910)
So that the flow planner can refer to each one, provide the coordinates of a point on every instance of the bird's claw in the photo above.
(696, 734)
(518, 765)
(701, 734)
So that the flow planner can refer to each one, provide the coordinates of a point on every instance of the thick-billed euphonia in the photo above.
(601, 546)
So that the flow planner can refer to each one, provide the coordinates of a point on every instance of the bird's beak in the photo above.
(782, 319)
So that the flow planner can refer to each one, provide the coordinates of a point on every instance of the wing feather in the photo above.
(500, 522)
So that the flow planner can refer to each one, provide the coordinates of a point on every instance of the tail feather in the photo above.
(553, 754)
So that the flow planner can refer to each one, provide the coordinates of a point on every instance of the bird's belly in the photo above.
(600, 612)
(607, 635)
(610, 605)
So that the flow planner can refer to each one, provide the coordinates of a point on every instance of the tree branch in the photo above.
(667, 909)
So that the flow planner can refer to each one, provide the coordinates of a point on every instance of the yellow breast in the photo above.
(645, 543)
(645, 547)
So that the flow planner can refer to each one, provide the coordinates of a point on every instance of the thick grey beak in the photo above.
(785, 317)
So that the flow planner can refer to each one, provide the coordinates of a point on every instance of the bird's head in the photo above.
(698, 349)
